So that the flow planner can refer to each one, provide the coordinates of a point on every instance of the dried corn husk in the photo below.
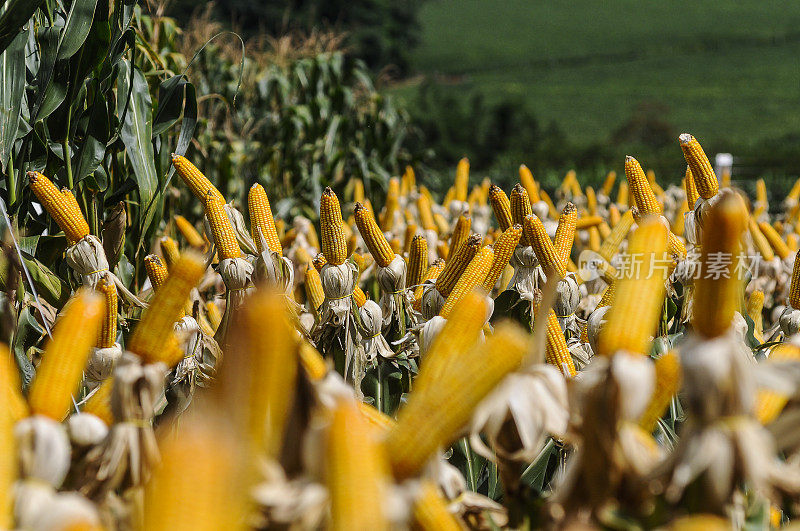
(88, 259)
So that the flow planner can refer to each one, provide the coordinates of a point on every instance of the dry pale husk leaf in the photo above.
(88, 259)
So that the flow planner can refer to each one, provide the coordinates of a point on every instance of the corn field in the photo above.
(179, 353)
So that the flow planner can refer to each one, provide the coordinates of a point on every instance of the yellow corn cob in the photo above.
(613, 216)
(442, 227)
(99, 404)
(473, 276)
(61, 206)
(622, 194)
(156, 271)
(65, 355)
(716, 299)
(794, 289)
(639, 294)
(556, 350)
(769, 404)
(108, 335)
(194, 179)
(594, 239)
(411, 231)
(640, 187)
(280, 226)
(793, 242)
(430, 511)
(261, 219)
(462, 180)
(449, 196)
(396, 246)
(8, 468)
(417, 260)
(774, 239)
(334, 243)
(380, 422)
(586, 222)
(474, 197)
(314, 293)
(355, 462)
(675, 246)
(455, 267)
(566, 183)
(359, 297)
(520, 209)
(10, 387)
(551, 207)
(503, 250)
(169, 250)
(618, 233)
(700, 522)
(668, 382)
(692, 195)
(543, 247)
(760, 241)
(677, 227)
(189, 233)
(313, 237)
(565, 233)
(704, 177)
(501, 207)
(527, 180)
(460, 232)
(165, 309)
(319, 261)
(608, 295)
(405, 187)
(432, 273)
(423, 425)
(761, 193)
(755, 306)
(391, 206)
(607, 272)
(373, 237)
(214, 314)
(312, 361)
(222, 229)
(425, 214)
(443, 250)
(591, 201)
(604, 230)
(358, 191)
(608, 184)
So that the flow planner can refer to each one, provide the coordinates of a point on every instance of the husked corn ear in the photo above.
(614, 216)
(355, 462)
(793, 242)
(638, 298)
(503, 250)
(761, 193)
(373, 237)
(542, 246)
(425, 213)
(622, 194)
(313, 237)
(189, 233)
(391, 206)
(411, 231)
(99, 404)
(675, 246)
(556, 351)
(379, 421)
(460, 232)
(677, 226)
(262, 220)
(65, 355)
(449, 196)
(456, 266)
(165, 309)
(759, 240)
(319, 261)
(442, 227)
(587, 222)
(565, 233)
(640, 187)
(334, 243)
(430, 511)
(108, 335)
(769, 403)
(551, 207)
(794, 289)
(501, 206)
(608, 183)
(692, 195)
(312, 361)
(417, 260)
(358, 191)
(462, 180)
(61, 206)
(717, 299)
(359, 296)
(594, 239)
(194, 179)
(423, 425)
(10, 387)
(668, 382)
(608, 295)
(432, 273)
(527, 180)
(314, 293)
(520, 209)
(443, 250)
(170, 250)
(156, 271)
(755, 307)
(704, 177)
(591, 201)
(222, 229)
(775, 240)
(214, 314)
(472, 277)
(611, 244)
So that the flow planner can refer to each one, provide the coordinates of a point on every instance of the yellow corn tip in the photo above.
(677, 225)
(716, 299)
(527, 180)
(189, 233)
(449, 196)
(761, 192)
(312, 361)
(65, 355)
(425, 214)
(794, 289)
(319, 261)
(565, 233)
(417, 260)
(156, 271)
(430, 511)
(411, 231)
(769, 404)
(461, 184)
(10, 387)
(704, 177)
(587, 222)
(520, 209)
(432, 273)
(222, 229)
(165, 309)
(334, 243)
(551, 207)
(442, 227)
(460, 232)
(668, 382)
(556, 351)
(614, 216)
(775, 240)
(594, 239)
(640, 294)
(640, 187)
(356, 462)
(194, 178)
(261, 219)
(608, 183)
(8, 468)
(675, 246)
(214, 314)
(443, 250)
(358, 191)
(622, 194)
(542, 246)
(591, 201)
(61, 206)
(359, 296)
(618, 233)
(314, 293)
(759, 240)
(755, 306)
(503, 250)
(692, 195)
(501, 206)
(793, 242)
(423, 425)
(380, 422)
(108, 335)
(456, 266)
(169, 250)
(99, 404)
(373, 237)
(794, 193)
(473, 276)
(391, 206)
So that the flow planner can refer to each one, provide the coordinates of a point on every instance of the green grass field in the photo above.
(727, 72)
